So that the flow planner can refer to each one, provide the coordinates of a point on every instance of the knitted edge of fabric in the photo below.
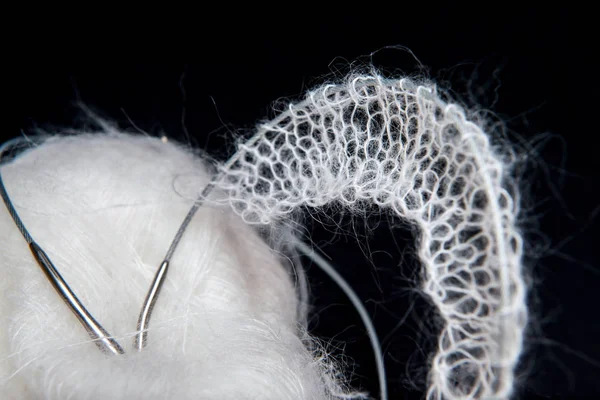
(397, 144)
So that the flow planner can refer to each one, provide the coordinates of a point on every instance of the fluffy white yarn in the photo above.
(105, 210)
(395, 143)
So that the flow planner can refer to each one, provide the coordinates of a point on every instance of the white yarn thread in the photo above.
(397, 144)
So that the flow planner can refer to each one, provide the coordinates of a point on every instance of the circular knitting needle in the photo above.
(101, 337)
(139, 342)
(140, 339)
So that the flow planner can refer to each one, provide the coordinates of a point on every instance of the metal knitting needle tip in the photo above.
(101, 337)
(139, 341)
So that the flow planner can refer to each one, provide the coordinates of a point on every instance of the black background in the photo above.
(221, 78)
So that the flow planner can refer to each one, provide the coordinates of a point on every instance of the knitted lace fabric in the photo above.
(397, 144)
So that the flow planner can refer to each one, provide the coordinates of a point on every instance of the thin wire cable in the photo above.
(11, 209)
(101, 337)
(360, 308)
(141, 338)
(188, 218)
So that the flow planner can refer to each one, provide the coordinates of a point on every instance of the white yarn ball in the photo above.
(104, 208)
